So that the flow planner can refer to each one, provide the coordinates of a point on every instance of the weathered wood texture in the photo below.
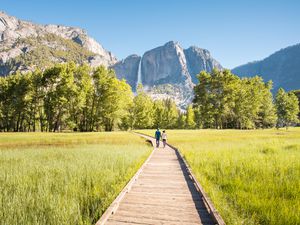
(161, 193)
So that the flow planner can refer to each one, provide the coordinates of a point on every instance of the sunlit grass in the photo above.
(64, 178)
(252, 177)
(11, 140)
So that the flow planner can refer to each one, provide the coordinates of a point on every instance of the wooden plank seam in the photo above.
(115, 204)
(208, 203)
(206, 200)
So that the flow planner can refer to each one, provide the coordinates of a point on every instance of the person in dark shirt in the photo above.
(157, 137)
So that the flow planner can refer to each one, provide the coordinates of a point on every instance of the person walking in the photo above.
(164, 138)
(157, 137)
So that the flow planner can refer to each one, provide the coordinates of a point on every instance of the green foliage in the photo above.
(223, 100)
(170, 116)
(267, 113)
(63, 97)
(61, 89)
(159, 109)
(146, 113)
(181, 122)
(77, 97)
(14, 101)
(190, 118)
(112, 97)
(287, 108)
(141, 113)
(297, 93)
(165, 114)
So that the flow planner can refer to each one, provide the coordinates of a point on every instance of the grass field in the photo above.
(65, 178)
(252, 177)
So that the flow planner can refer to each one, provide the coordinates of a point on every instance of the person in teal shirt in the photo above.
(157, 137)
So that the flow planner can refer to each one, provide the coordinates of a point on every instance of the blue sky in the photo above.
(235, 32)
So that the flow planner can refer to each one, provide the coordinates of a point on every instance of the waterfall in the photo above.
(139, 77)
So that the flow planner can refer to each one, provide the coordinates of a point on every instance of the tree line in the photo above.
(79, 98)
(224, 100)
(63, 97)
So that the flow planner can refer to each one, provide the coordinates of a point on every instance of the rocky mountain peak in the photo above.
(164, 64)
(7, 21)
(171, 44)
(199, 50)
(128, 69)
(199, 59)
(167, 71)
(16, 35)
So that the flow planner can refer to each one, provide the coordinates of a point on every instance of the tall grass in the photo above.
(252, 177)
(61, 178)
(11, 140)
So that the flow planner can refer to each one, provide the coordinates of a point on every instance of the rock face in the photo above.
(282, 67)
(168, 71)
(15, 35)
(165, 64)
(128, 69)
(198, 60)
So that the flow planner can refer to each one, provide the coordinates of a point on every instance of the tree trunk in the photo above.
(18, 121)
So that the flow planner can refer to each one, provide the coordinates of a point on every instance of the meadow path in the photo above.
(162, 192)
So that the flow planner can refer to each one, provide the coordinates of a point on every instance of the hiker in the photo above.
(164, 138)
(157, 137)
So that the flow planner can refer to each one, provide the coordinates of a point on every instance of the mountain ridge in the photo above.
(166, 71)
(17, 39)
(282, 67)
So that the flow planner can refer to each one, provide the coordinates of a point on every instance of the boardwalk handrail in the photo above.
(115, 204)
(208, 203)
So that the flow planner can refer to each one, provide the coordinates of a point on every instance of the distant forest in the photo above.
(79, 98)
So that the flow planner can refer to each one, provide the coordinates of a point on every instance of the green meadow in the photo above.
(252, 176)
(64, 178)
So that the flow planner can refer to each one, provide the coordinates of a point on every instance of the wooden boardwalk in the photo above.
(161, 193)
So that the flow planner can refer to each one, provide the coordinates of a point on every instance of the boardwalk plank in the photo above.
(163, 193)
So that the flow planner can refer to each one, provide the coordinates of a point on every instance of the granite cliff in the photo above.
(25, 45)
(168, 71)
